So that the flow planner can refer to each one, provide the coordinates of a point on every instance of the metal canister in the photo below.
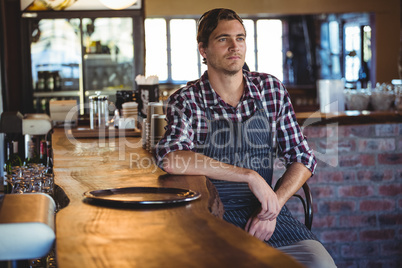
(98, 111)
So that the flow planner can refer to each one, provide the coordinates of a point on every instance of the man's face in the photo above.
(226, 48)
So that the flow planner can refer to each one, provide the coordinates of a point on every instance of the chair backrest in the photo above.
(307, 202)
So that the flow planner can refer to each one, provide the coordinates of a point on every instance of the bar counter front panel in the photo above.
(186, 235)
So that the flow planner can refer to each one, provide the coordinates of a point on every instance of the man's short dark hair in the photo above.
(209, 21)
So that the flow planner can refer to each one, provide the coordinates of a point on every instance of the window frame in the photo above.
(170, 81)
(358, 20)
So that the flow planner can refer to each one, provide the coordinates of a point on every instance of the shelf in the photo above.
(106, 91)
(70, 93)
(349, 118)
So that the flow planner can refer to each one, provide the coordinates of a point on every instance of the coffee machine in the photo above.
(11, 126)
(29, 130)
(35, 128)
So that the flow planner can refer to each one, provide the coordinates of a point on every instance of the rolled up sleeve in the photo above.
(292, 143)
(178, 132)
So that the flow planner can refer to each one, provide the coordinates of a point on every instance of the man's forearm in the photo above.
(191, 163)
(292, 180)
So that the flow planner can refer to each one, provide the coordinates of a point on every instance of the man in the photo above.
(225, 126)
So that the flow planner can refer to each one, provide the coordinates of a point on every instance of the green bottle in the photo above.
(13, 160)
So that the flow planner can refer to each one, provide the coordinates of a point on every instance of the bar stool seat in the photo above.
(26, 226)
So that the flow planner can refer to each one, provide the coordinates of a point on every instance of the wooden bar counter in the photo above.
(186, 235)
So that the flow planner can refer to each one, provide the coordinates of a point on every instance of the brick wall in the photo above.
(357, 193)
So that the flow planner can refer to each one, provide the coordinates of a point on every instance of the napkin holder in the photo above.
(64, 112)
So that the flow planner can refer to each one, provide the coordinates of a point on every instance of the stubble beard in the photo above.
(227, 68)
(230, 70)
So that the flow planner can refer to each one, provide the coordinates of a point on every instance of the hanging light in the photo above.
(118, 4)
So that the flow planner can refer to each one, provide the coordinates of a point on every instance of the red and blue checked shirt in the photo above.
(187, 120)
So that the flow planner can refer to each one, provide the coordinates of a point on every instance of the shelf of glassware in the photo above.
(57, 94)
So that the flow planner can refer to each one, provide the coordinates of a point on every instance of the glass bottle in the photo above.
(56, 80)
(49, 156)
(40, 85)
(13, 160)
(31, 155)
(49, 81)
(43, 153)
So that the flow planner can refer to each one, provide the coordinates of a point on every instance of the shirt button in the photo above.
(239, 117)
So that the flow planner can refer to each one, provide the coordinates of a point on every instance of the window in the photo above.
(357, 51)
(184, 53)
(352, 58)
(250, 43)
(334, 46)
(174, 57)
(156, 48)
(269, 46)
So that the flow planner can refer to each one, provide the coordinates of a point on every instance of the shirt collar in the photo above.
(211, 98)
(251, 90)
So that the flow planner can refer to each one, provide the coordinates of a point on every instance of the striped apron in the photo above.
(249, 145)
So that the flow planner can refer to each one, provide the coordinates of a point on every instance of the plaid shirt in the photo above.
(187, 122)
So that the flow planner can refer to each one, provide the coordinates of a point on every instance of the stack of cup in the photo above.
(154, 108)
(129, 115)
(144, 134)
(158, 124)
(129, 109)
